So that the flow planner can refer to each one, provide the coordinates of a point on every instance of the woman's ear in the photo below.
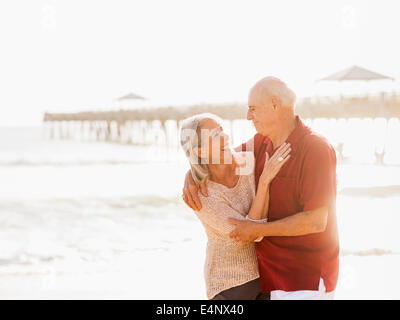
(197, 151)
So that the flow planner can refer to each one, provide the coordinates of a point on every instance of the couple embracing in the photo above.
(267, 206)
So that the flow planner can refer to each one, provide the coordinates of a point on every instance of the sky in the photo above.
(65, 56)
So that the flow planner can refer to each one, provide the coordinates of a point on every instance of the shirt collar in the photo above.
(295, 136)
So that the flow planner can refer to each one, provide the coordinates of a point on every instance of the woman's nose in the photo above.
(224, 137)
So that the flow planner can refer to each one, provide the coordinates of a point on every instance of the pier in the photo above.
(131, 125)
(149, 126)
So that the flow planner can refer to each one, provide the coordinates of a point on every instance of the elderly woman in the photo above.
(231, 269)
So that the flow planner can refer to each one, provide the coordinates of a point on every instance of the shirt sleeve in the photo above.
(318, 176)
(215, 213)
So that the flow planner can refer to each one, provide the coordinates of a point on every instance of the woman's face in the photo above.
(215, 143)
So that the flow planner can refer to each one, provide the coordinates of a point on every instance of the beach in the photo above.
(369, 277)
(87, 220)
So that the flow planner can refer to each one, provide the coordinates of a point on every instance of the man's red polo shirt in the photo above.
(306, 182)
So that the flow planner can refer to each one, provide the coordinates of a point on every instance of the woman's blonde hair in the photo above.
(190, 138)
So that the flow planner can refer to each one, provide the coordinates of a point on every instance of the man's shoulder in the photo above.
(316, 149)
(314, 141)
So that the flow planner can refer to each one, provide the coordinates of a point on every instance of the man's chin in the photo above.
(260, 131)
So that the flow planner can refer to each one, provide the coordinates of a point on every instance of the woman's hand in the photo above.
(274, 164)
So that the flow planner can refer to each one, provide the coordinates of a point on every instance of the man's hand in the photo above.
(190, 192)
(246, 231)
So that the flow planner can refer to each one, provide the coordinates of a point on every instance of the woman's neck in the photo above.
(224, 174)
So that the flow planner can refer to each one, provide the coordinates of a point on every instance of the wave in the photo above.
(368, 252)
(66, 163)
(375, 191)
(28, 259)
(145, 200)
(128, 202)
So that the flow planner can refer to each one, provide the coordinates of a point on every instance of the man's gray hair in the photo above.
(274, 87)
(190, 138)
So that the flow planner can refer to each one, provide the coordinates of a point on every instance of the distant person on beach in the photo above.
(298, 257)
(231, 270)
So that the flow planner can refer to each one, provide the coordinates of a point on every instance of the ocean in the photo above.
(86, 219)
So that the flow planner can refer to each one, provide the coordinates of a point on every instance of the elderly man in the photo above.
(298, 257)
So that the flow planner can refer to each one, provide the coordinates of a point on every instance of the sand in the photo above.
(168, 275)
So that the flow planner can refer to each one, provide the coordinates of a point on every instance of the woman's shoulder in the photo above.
(215, 196)
(215, 192)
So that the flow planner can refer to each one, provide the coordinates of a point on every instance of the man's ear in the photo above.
(276, 103)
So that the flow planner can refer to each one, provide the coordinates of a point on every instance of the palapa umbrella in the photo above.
(355, 73)
(131, 96)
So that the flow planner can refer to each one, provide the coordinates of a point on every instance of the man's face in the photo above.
(261, 112)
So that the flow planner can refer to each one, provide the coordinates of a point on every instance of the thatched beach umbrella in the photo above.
(130, 100)
(131, 96)
(355, 73)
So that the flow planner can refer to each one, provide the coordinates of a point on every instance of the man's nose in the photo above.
(249, 115)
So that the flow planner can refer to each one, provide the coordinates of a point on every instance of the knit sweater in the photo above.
(229, 263)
